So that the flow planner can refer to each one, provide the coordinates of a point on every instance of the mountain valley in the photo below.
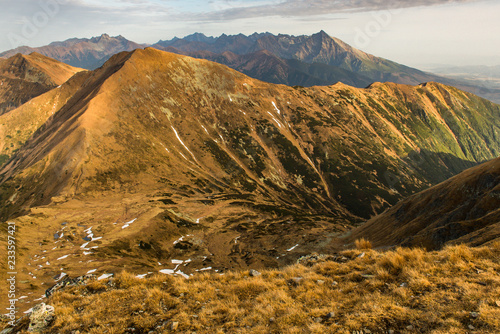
(162, 162)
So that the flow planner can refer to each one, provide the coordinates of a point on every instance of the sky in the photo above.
(419, 33)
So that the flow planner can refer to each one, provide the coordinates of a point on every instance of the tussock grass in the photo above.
(455, 290)
(362, 244)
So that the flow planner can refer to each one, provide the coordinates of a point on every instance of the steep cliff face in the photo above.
(168, 157)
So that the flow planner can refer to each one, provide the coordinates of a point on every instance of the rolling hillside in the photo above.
(157, 161)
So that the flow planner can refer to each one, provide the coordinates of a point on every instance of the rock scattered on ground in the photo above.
(40, 318)
(254, 273)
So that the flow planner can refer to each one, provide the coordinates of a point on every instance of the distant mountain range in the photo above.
(316, 49)
(81, 52)
(292, 60)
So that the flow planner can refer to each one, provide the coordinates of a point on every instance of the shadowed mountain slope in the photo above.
(463, 209)
(23, 77)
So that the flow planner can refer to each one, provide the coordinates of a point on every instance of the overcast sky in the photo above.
(413, 32)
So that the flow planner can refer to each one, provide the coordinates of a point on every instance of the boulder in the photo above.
(40, 318)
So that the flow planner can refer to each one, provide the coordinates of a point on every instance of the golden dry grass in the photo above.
(456, 290)
(362, 244)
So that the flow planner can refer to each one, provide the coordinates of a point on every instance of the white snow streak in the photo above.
(127, 224)
(167, 271)
(204, 269)
(275, 120)
(180, 140)
(104, 276)
(277, 110)
(182, 274)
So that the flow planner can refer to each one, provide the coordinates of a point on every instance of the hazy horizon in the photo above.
(423, 33)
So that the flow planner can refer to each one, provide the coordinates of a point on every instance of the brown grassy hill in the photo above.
(171, 158)
(23, 77)
(360, 291)
(463, 209)
(17, 126)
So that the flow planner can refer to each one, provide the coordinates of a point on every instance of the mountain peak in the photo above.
(321, 36)
(198, 37)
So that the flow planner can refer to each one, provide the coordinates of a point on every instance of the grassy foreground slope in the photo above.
(405, 290)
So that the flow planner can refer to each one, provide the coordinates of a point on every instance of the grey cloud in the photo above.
(300, 8)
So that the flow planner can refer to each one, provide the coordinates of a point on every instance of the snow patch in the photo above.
(277, 110)
(127, 224)
(60, 276)
(205, 269)
(165, 147)
(167, 271)
(180, 140)
(91, 271)
(63, 257)
(182, 238)
(291, 249)
(104, 276)
(182, 274)
(275, 120)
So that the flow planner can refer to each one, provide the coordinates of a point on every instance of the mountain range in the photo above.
(88, 53)
(156, 157)
(292, 60)
(157, 161)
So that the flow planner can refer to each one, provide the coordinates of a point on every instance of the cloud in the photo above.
(301, 8)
